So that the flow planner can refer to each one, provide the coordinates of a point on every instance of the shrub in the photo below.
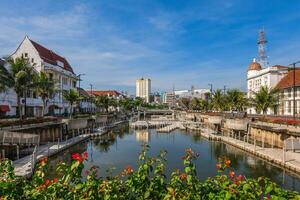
(148, 181)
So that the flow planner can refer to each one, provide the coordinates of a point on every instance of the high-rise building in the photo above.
(143, 88)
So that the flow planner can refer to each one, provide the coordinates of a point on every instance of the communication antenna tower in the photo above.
(262, 41)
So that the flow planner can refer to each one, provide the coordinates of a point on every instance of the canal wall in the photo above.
(25, 166)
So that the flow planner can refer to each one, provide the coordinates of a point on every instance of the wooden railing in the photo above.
(8, 137)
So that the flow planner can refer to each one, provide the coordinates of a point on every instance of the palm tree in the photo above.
(265, 98)
(236, 100)
(45, 88)
(19, 76)
(218, 101)
(73, 97)
(102, 102)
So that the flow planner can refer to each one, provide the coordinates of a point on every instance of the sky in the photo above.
(174, 43)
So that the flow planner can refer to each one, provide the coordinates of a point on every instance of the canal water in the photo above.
(121, 148)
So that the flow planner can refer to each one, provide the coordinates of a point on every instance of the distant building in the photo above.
(109, 93)
(169, 98)
(193, 93)
(286, 85)
(86, 104)
(143, 89)
(57, 68)
(157, 98)
(258, 77)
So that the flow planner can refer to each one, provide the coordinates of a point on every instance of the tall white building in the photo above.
(56, 67)
(258, 77)
(143, 88)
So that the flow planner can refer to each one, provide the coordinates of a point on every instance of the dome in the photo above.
(254, 66)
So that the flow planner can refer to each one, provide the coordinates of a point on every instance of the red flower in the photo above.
(80, 158)
(129, 170)
(236, 181)
(85, 155)
(231, 174)
(87, 172)
(227, 163)
(241, 178)
(55, 180)
(44, 160)
(47, 182)
(219, 166)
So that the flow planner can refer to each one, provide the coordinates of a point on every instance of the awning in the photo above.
(4, 108)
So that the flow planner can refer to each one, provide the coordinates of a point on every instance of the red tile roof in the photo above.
(51, 57)
(288, 80)
(280, 67)
(104, 92)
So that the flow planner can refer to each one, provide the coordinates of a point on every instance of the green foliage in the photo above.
(265, 98)
(45, 88)
(148, 181)
(72, 96)
(19, 76)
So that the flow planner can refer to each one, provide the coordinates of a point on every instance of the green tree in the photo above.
(73, 97)
(19, 76)
(45, 88)
(236, 100)
(218, 101)
(265, 98)
(102, 101)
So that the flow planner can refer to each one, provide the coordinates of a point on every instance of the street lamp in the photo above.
(294, 88)
(79, 79)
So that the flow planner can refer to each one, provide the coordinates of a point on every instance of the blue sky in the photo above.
(179, 43)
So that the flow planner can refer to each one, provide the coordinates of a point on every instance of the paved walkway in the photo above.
(23, 166)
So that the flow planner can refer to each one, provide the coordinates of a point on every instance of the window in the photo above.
(65, 81)
(289, 107)
(34, 95)
(289, 92)
(74, 83)
(32, 60)
(26, 55)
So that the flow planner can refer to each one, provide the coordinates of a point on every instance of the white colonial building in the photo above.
(58, 69)
(258, 77)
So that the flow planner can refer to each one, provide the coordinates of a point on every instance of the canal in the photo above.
(121, 148)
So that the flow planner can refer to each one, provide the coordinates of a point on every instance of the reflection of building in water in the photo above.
(251, 161)
(142, 135)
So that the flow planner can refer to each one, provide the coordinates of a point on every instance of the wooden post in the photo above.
(3, 153)
(283, 152)
(244, 141)
(272, 140)
(254, 144)
(57, 143)
(18, 153)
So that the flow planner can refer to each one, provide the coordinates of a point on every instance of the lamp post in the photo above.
(91, 85)
(294, 88)
(79, 79)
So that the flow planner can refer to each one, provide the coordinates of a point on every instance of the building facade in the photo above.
(290, 104)
(143, 89)
(258, 77)
(56, 67)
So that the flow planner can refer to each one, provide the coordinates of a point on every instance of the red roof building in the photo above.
(288, 80)
(51, 57)
(110, 93)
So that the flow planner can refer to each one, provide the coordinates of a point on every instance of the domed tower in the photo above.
(253, 68)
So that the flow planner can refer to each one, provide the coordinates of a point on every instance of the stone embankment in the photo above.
(287, 159)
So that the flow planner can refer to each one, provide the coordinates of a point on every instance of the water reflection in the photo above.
(143, 136)
(121, 148)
